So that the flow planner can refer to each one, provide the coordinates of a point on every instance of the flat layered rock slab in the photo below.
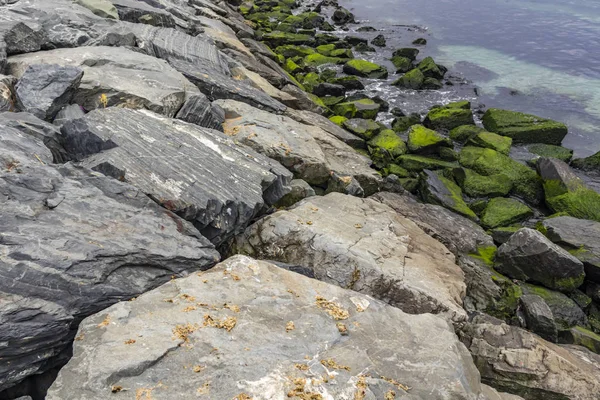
(116, 76)
(310, 152)
(250, 328)
(363, 245)
(75, 242)
(195, 172)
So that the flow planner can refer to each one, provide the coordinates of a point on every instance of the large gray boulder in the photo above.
(116, 76)
(199, 110)
(516, 361)
(311, 153)
(538, 317)
(580, 236)
(249, 329)
(73, 243)
(45, 88)
(195, 172)
(529, 256)
(363, 245)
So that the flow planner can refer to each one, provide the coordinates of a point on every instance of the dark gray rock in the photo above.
(538, 317)
(580, 236)
(144, 12)
(195, 172)
(565, 311)
(73, 243)
(342, 16)
(559, 172)
(329, 89)
(300, 190)
(44, 89)
(67, 113)
(437, 189)
(379, 41)
(199, 110)
(530, 256)
(303, 101)
(593, 290)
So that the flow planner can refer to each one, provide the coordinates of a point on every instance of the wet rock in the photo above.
(449, 116)
(529, 256)
(591, 163)
(501, 144)
(364, 128)
(425, 141)
(266, 308)
(364, 245)
(206, 178)
(516, 361)
(329, 89)
(307, 150)
(349, 82)
(463, 133)
(409, 53)
(420, 42)
(44, 89)
(199, 110)
(413, 79)
(524, 128)
(87, 259)
(385, 147)
(581, 238)
(365, 69)
(379, 41)
(437, 189)
(417, 163)
(475, 185)
(402, 123)
(342, 16)
(538, 317)
(363, 108)
(548, 150)
(430, 69)
(402, 64)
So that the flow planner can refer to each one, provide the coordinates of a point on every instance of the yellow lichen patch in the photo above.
(396, 383)
(290, 326)
(331, 363)
(103, 100)
(298, 391)
(104, 322)
(80, 337)
(233, 276)
(204, 389)
(143, 394)
(232, 307)
(189, 308)
(169, 301)
(130, 341)
(309, 222)
(346, 179)
(197, 368)
(314, 209)
(116, 388)
(390, 395)
(301, 367)
(342, 328)
(333, 309)
(188, 298)
(183, 331)
(293, 293)
(228, 323)
(355, 278)
(242, 396)
(361, 388)
(358, 226)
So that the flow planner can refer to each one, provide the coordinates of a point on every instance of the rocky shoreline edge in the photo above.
(198, 201)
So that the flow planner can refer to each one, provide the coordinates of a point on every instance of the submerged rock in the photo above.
(363, 245)
(413, 79)
(524, 128)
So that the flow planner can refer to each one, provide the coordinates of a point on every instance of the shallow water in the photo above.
(538, 56)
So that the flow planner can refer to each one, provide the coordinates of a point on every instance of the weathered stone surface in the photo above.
(516, 361)
(116, 76)
(581, 238)
(144, 12)
(538, 317)
(437, 189)
(67, 113)
(102, 8)
(199, 110)
(300, 190)
(44, 89)
(566, 313)
(530, 256)
(581, 337)
(281, 329)
(197, 173)
(364, 245)
(7, 98)
(308, 151)
(75, 242)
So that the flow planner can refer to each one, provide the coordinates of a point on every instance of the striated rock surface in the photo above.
(363, 245)
(249, 329)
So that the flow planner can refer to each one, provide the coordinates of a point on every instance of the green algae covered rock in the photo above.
(475, 185)
(349, 82)
(549, 150)
(294, 51)
(413, 79)
(310, 80)
(326, 49)
(526, 183)
(317, 59)
(463, 133)
(385, 147)
(278, 38)
(425, 141)
(591, 163)
(364, 108)
(524, 128)
(394, 169)
(430, 69)
(581, 336)
(402, 64)
(407, 52)
(448, 154)
(330, 101)
(437, 189)
(432, 84)
(417, 163)
(566, 311)
(491, 140)
(449, 116)
(401, 124)
(365, 128)
(338, 120)
(342, 53)
(502, 211)
(365, 69)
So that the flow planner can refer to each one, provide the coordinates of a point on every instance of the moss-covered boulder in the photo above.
(567, 193)
(449, 116)
(401, 124)
(432, 84)
(448, 154)
(524, 128)
(435, 188)
(402, 64)
(349, 82)
(420, 42)
(425, 141)
(325, 38)
(430, 69)
(278, 38)
(291, 67)
(342, 53)
(365, 69)
(591, 163)
(501, 211)
(413, 79)
(581, 336)
(331, 101)
(410, 53)
(417, 163)
(463, 133)
(315, 60)
(549, 150)
(342, 16)
(394, 169)
(309, 81)
(565, 311)
(476, 185)
(338, 120)
(326, 49)
(365, 128)
(526, 183)
(363, 108)
(294, 51)
(491, 140)
(386, 147)
(364, 48)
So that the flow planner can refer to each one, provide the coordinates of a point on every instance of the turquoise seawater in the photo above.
(538, 56)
